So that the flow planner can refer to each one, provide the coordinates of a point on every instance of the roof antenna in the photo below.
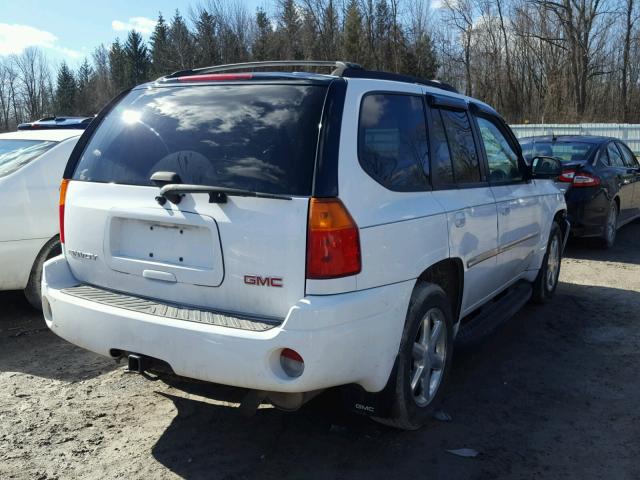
(554, 137)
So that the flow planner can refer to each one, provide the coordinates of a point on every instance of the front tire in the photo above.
(424, 358)
(33, 290)
(546, 282)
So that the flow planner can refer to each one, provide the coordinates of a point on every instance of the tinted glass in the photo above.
(441, 166)
(256, 137)
(502, 158)
(615, 159)
(15, 154)
(466, 168)
(393, 141)
(629, 158)
(563, 151)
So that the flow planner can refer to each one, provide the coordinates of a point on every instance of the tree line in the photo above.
(534, 60)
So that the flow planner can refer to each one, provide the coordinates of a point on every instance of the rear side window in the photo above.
(15, 154)
(392, 141)
(466, 167)
(615, 159)
(629, 158)
(441, 156)
(256, 137)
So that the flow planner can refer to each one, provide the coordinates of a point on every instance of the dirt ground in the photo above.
(554, 394)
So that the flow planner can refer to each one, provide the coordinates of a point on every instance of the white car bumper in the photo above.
(344, 338)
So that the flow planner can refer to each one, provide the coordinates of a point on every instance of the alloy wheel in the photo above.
(429, 357)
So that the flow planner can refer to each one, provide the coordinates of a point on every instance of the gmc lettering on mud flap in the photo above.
(263, 281)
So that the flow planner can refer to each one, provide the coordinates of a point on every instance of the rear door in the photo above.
(625, 180)
(246, 255)
(631, 162)
(518, 201)
(461, 188)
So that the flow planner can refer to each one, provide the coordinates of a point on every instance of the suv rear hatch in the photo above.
(244, 255)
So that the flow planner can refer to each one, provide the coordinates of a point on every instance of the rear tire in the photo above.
(610, 227)
(424, 359)
(51, 249)
(546, 282)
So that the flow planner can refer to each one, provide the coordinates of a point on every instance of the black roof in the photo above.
(594, 139)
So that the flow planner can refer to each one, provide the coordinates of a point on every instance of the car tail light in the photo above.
(216, 77)
(291, 362)
(567, 176)
(63, 197)
(579, 179)
(333, 241)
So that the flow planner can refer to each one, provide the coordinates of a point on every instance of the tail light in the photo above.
(333, 241)
(63, 196)
(567, 176)
(579, 179)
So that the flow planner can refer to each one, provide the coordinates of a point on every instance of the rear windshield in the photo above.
(261, 138)
(564, 151)
(15, 154)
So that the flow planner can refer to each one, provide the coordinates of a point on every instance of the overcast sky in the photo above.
(70, 29)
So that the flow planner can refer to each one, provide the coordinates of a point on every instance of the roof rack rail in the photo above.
(397, 77)
(338, 67)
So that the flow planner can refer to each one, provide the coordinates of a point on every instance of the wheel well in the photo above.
(559, 218)
(449, 275)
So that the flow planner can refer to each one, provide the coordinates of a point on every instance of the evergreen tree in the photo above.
(262, 42)
(207, 50)
(289, 29)
(182, 51)
(421, 60)
(137, 59)
(84, 97)
(352, 36)
(160, 49)
(65, 91)
(118, 67)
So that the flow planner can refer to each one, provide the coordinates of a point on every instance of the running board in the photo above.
(493, 315)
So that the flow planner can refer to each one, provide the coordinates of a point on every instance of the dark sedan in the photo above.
(600, 178)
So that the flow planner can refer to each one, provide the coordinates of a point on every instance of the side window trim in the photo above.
(509, 137)
(427, 180)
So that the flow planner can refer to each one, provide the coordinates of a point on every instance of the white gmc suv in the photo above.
(291, 232)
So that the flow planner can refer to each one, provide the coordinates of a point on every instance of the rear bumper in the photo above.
(587, 210)
(344, 338)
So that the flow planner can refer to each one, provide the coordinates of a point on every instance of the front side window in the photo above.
(15, 154)
(392, 141)
(466, 167)
(257, 137)
(502, 158)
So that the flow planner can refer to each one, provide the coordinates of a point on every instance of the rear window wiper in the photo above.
(175, 191)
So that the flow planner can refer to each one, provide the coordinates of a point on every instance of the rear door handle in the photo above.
(504, 209)
(459, 219)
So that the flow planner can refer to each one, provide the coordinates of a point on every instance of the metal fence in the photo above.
(629, 133)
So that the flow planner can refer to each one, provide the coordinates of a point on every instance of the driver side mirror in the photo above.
(545, 167)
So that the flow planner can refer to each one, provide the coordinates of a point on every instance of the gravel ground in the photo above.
(553, 394)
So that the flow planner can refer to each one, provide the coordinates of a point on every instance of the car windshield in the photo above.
(15, 154)
(564, 151)
(258, 137)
